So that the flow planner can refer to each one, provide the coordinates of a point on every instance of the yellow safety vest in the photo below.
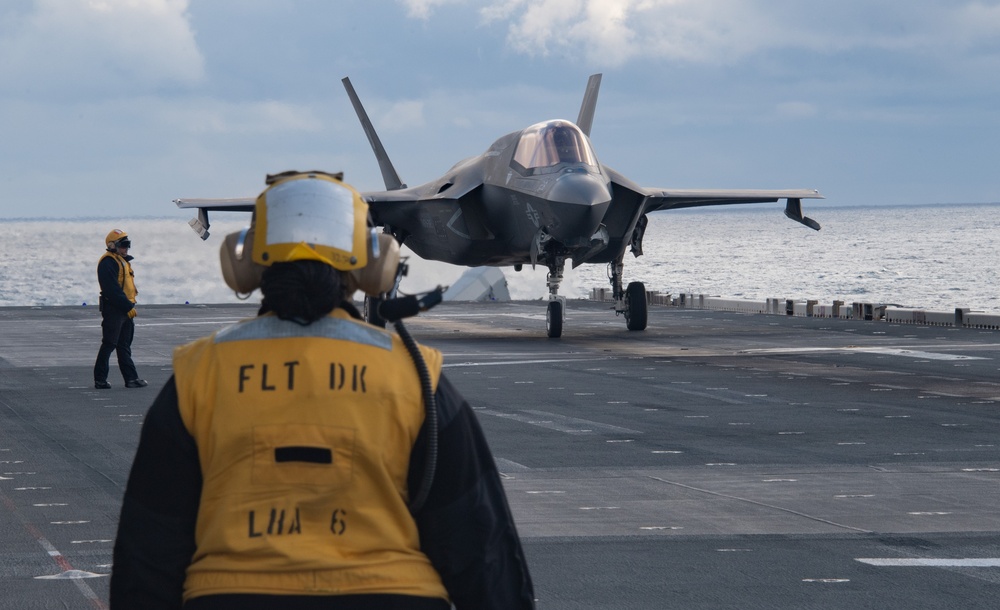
(304, 435)
(126, 277)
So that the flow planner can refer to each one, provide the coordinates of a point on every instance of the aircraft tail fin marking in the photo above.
(586, 119)
(389, 175)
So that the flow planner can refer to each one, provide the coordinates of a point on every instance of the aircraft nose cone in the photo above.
(580, 201)
(580, 189)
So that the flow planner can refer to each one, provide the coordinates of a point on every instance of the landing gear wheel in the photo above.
(635, 306)
(554, 319)
(371, 311)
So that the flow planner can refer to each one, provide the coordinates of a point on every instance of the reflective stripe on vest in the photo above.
(270, 327)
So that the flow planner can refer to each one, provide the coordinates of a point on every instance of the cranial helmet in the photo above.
(310, 216)
(116, 235)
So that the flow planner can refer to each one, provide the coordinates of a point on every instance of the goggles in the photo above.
(123, 243)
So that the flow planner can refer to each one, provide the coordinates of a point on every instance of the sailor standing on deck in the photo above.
(286, 464)
(117, 304)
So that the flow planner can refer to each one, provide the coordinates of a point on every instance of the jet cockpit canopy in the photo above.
(552, 142)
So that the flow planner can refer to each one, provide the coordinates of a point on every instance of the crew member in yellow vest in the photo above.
(305, 459)
(117, 304)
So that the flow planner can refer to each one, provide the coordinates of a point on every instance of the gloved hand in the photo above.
(131, 313)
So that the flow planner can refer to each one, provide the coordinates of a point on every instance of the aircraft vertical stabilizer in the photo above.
(586, 119)
(389, 175)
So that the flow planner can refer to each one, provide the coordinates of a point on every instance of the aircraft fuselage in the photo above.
(515, 214)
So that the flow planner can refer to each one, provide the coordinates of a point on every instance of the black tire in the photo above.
(554, 319)
(372, 315)
(635, 306)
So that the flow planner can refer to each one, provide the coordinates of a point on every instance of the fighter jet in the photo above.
(538, 196)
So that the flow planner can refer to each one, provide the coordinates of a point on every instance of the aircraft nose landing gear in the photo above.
(554, 318)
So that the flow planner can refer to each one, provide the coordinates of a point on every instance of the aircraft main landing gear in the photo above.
(630, 302)
(556, 311)
(635, 306)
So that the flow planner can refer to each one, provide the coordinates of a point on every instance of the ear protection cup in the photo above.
(379, 274)
(243, 275)
(236, 256)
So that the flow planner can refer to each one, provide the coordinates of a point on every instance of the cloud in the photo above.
(613, 32)
(261, 117)
(976, 24)
(723, 32)
(422, 9)
(403, 116)
(99, 48)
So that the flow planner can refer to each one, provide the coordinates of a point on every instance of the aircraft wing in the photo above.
(662, 199)
(239, 204)
(200, 223)
(654, 199)
(670, 199)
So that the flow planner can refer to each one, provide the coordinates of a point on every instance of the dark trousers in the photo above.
(117, 331)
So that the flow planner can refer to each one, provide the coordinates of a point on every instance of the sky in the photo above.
(113, 108)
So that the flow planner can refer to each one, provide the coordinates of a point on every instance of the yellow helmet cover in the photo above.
(311, 216)
(114, 236)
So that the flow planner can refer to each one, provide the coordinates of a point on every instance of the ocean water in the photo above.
(934, 257)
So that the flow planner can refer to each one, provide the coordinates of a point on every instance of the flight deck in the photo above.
(714, 460)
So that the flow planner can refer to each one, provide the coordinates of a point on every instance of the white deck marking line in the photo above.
(762, 504)
(517, 362)
(218, 323)
(932, 562)
(68, 571)
(560, 423)
(889, 351)
(505, 465)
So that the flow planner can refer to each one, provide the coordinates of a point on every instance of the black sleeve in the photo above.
(466, 527)
(111, 290)
(155, 539)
